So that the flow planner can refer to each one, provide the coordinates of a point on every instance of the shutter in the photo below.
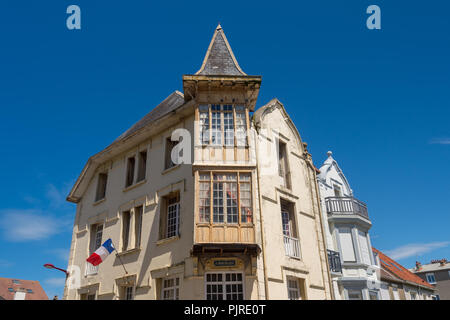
(364, 247)
(348, 252)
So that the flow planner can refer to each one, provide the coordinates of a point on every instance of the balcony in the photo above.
(334, 260)
(342, 206)
(292, 247)
(90, 269)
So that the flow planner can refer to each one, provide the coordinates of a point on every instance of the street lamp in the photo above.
(50, 266)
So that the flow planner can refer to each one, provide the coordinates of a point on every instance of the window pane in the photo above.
(241, 128)
(216, 125)
(228, 124)
(204, 124)
(232, 211)
(245, 200)
(204, 205)
(172, 220)
(218, 202)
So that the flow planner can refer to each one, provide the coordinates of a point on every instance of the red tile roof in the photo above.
(399, 271)
(8, 287)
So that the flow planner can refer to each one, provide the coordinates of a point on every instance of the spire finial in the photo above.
(219, 26)
(329, 153)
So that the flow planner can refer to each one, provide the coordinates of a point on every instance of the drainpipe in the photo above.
(323, 232)
(261, 223)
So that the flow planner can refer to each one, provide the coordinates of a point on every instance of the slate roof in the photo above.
(219, 59)
(21, 285)
(169, 104)
(396, 269)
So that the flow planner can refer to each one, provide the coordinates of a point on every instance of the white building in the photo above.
(352, 264)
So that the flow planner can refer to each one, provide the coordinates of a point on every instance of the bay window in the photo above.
(231, 200)
(222, 124)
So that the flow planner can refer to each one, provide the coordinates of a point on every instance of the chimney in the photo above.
(443, 262)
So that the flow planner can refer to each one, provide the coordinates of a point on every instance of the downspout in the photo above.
(261, 223)
(323, 233)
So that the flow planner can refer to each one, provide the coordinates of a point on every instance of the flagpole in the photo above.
(117, 255)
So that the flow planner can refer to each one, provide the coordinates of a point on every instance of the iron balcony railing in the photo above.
(346, 205)
(334, 260)
(292, 246)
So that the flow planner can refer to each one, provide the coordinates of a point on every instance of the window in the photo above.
(346, 242)
(283, 167)
(91, 296)
(16, 281)
(231, 200)
(173, 216)
(169, 163)
(355, 295)
(293, 289)
(10, 289)
(142, 166)
(364, 247)
(204, 124)
(96, 237)
(87, 296)
(288, 222)
(128, 293)
(431, 278)
(132, 228)
(224, 286)
(130, 171)
(29, 291)
(436, 297)
(170, 289)
(337, 191)
(395, 292)
(126, 221)
(101, 186)
(413, 295)
(138, 224)
(170, 216)
(204, 197)
(373, 295)
(241, 126)
(216, 125)
(223, 125)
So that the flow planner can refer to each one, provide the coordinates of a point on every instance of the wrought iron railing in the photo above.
(292, 246)
(346, 205)
(334, 260)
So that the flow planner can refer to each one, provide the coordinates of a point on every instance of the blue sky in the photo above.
(379, 99)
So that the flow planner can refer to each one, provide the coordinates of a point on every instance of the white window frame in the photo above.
(176, 220)
(175, 289)
(431, 274)
(223, 283)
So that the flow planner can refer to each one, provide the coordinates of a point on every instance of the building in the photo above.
(436, 273)
(18, 289)
(200, 200)
(398, 283)
(352, 265)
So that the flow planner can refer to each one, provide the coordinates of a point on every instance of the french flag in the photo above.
(101, 253)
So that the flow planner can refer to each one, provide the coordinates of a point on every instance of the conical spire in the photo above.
(219, 59)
